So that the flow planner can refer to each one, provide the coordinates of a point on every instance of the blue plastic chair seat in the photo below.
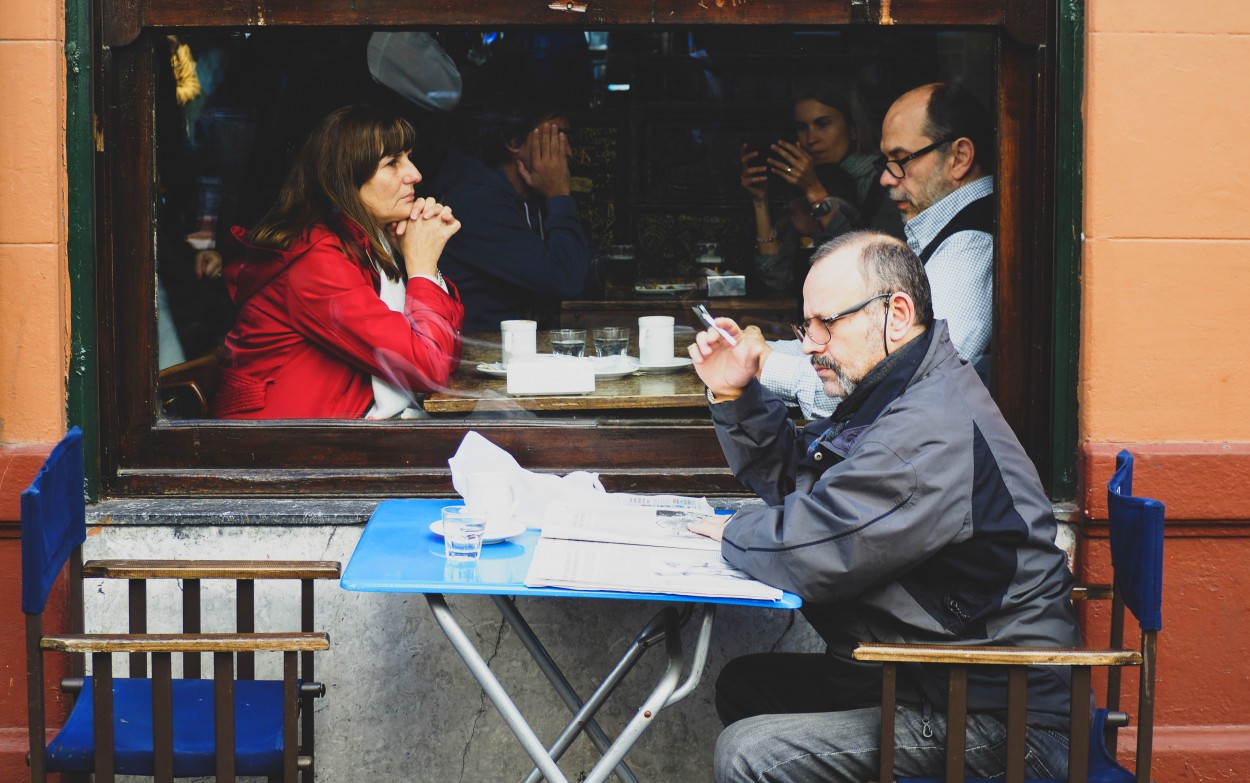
(257, 729)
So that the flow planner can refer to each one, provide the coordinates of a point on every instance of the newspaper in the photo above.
(652, 520)
(597, 565)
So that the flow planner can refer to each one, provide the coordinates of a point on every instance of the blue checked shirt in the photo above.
(961, 276)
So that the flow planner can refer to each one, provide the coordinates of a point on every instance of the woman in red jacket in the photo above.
(327, 327)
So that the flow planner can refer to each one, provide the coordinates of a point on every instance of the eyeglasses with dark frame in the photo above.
(895, 167)
(807, 330)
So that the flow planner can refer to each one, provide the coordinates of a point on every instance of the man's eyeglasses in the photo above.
(895, 167)
(816, 328)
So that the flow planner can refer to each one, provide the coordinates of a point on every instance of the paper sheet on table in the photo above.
(537, 492)
(592, 565)
(627, 524)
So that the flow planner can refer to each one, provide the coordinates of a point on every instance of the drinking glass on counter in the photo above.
(568, 342)
(611, 340)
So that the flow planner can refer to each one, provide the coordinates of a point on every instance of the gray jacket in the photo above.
(921, 519)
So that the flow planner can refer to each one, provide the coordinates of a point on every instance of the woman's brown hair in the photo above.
(340, 156)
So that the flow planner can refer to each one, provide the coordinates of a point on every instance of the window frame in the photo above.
(143, 455)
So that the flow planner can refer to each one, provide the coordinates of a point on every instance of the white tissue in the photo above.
(534, 490)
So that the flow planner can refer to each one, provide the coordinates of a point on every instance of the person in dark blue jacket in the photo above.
(522, 247)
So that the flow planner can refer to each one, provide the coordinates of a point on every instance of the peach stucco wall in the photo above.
(1166, 269)
(34, 289)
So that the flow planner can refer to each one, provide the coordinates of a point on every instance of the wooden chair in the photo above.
(158, 726)
(1136, 531)
(186, 390)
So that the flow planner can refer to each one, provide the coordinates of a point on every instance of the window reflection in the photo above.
(656, 124)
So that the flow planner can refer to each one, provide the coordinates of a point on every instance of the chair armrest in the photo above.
(1092, 593)
(212, 569)
(995, 656)
(183, 642)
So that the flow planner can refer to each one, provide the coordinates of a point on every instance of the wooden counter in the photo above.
(472, 391)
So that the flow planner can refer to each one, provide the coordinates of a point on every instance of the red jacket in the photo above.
(311, 332)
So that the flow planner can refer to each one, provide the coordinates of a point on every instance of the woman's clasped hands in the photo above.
(423, 235)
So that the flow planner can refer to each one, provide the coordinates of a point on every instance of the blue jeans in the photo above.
(817, 717)
(843, 747)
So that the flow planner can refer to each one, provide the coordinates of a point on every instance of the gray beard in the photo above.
(848, 384)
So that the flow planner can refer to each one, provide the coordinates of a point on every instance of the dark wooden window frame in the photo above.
(141, 454)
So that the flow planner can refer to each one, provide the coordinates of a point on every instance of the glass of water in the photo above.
(568, 342)
(611, 340)
(462, 534)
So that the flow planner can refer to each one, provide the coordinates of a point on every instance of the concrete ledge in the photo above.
(273, 512)
(230, 512)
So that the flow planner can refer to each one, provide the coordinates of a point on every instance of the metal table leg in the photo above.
(666, 626)
(507, 709)
(583, 711)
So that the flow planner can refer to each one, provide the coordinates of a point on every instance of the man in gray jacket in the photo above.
(913, 515)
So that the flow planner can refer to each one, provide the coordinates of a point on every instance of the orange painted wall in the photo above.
(1167, 225)
(34, 289)
(34, 307)
(1164, 327)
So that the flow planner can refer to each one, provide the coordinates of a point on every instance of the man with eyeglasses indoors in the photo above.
(912, 515)
(937, 145)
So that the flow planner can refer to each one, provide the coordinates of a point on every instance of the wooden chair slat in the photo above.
(996, 656)
(211, 569)
(177, 642)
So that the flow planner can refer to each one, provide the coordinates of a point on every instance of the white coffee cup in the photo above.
(491, 494)
(655, 340)
(520, 338)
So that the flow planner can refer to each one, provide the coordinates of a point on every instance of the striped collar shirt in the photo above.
(961, 272)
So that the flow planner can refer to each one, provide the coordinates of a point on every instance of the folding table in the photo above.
(398, 554)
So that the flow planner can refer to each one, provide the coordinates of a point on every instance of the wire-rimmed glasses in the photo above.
(816, 328)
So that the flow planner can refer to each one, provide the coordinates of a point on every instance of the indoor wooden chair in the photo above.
(155, 725)
(186, 390)
(1136, 533)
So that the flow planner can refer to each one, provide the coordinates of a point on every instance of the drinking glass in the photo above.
(568, 342)
(611, 340)
(462, 533)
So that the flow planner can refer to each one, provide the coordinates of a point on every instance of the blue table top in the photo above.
(397, 553)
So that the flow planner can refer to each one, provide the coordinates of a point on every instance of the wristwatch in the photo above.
(821, 208)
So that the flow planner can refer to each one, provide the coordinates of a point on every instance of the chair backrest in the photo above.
(186, 390)
(54, 525)
(1136, 531)
(53, 520)
(1136, 526)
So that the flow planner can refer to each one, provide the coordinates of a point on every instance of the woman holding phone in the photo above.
(828, 170)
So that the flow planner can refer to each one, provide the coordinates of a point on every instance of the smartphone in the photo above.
(706, 317)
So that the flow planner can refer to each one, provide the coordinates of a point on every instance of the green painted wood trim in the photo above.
(81, 408)
(1069, 156)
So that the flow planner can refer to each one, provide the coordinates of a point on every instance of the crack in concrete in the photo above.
(482, 706)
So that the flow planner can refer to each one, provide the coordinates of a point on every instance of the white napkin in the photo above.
(534, 490)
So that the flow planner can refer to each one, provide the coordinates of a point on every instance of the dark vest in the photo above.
(976, 216)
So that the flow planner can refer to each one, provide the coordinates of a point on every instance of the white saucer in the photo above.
(676, 363)
(494, 534)
(607, 368)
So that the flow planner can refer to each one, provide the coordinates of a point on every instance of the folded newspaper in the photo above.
(632, 568)
(593, 539)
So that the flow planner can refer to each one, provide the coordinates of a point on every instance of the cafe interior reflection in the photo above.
(658, 121)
